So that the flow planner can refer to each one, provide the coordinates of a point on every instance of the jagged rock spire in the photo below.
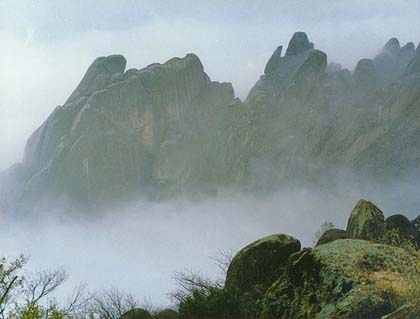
(298, 44)
(414, 66)
(392, 46)
(98, 75)
(274, 61)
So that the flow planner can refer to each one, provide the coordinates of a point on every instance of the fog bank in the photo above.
(138, 248)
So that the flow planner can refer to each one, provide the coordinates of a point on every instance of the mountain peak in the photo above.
(271, 65)
(298, 44)
(98, 74)
(392, 46)
(414, 66)
(408, 48)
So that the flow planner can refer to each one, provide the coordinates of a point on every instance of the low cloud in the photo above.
(138, 247)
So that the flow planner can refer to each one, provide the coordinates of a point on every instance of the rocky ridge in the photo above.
(168, 129)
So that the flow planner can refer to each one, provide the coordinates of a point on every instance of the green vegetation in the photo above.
(216, 302)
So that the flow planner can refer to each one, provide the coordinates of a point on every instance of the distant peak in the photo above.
(298, 44)
(364, 64)
(392, 46)
(98, 74)
(115, 63)
(414, 66)
(274, 60)
(190, 58)
(409, 47)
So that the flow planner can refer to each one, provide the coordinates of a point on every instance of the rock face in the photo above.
(391, 63)
(330, 235)
(363, 121)
(342, 279)
(366, 222)
(125, 133)
(255, 267)
(168, 129)
(280, 71)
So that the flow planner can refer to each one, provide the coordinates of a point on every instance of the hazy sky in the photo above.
(46, 46)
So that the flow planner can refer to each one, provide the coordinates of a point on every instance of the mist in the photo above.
(138, 247)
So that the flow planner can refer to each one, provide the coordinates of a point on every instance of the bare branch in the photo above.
(78, 305)
(112, 304)
(189, 281)
(40, 284)
(223, 259)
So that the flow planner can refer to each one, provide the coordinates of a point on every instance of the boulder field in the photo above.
(369, 270)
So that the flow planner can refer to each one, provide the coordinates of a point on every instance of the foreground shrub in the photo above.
(216, 302)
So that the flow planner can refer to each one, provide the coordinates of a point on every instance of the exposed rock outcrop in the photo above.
(255, 267)
(342, 279)
(330, 235)
(366, 222)
(121, 134)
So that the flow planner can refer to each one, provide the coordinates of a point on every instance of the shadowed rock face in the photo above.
(299, 44)
(255, 267)
(168, 129)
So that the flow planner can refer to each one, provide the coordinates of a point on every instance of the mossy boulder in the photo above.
(366, 222)
(137, 313)
(399, 231)
(330, 235)
(166, 314)
(345, 278)
(258, 265)
(408, 311)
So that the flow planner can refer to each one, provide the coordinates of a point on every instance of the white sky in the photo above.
(46, 46)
